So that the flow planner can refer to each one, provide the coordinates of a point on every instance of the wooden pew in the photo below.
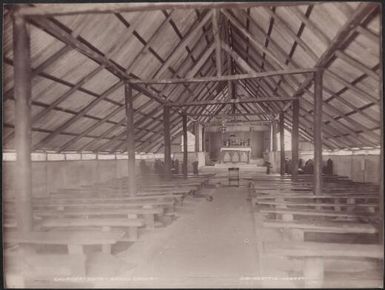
(315, 254)
(73, 240)
(296, 230)
(106, 224)
(336, 200)
(291, 214)
(147, 213)
(139, 198)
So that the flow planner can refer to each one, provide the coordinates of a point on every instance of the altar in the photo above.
(235, 154)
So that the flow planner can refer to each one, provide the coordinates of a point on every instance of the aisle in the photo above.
(212, 246)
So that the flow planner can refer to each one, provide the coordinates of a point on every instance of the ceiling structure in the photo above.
(82, 55)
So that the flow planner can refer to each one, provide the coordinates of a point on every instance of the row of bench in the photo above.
(93, 215)
(305, 220)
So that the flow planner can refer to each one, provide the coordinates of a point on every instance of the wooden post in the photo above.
(274, 124)
(167, 141)
(271, 137)
(197, 137)
(130, 139)
(185, 150)
(381, 199)
(203, 139)
(294, 139)
(318, 132)
(282, 142)
(22, 93)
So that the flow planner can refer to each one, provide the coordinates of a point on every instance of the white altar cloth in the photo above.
(236, 149)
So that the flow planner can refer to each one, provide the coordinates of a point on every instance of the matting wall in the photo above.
(49, 176)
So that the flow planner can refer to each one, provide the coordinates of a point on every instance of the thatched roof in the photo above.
(80, 59)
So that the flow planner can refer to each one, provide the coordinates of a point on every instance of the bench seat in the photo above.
(317, 249)
(74, 240)
(314, 204)
(315, 253)
(319, 213)
(336, 227)
(105, 223)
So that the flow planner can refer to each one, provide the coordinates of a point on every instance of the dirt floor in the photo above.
(211, 244)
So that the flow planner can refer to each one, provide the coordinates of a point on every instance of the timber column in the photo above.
(282, 142)
(23, 136)
(167, 141)
(274, 137)
(130, 139)
(294, 139)
(197, 137)
(185, 157)
(318, 131)
(381, 199)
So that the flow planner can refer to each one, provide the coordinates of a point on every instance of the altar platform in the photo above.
(235, 154)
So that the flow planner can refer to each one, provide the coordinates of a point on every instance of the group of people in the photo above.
(308, 166)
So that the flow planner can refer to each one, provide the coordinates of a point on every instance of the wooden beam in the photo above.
(202, 60)
(295, 139)
(185, 148)
(311, 26)
(218, 57)
(232, 101)
(369, 34)
(350, 25)
(318, 132)
(287, 57)
(173, 131)
(42, 66)
(197, 107)
(292, 34)
(63, 97)
(67, 38)
(254, 75)
(355, 63)
(89, 129)
(77, 117)
(282, 142)
(357, 90)
(167, 141)
(23, 136)
(232, 115)
(94, 8)
(260, 47)
(130, 139)
(182, 44)
(208, 72)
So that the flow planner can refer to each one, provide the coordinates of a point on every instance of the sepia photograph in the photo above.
(192, 145)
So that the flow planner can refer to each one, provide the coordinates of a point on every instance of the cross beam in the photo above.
(230, 115)
(224, 78)
(70, 9)
(231, 101)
